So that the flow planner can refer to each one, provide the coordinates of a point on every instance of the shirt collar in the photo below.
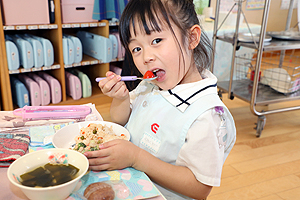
(184, 95)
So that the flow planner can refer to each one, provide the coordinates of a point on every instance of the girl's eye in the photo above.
(156, 41)
(136, 49)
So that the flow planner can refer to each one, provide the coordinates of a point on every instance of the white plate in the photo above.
(64, 138)
(285, 35)
(248, 37)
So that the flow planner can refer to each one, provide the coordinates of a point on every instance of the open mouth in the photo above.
(158, 72)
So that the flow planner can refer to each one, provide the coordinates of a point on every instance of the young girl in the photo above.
(181, 133)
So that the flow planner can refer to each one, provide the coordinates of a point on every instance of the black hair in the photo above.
(153, 13)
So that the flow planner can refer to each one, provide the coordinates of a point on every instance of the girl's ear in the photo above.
(195, 35)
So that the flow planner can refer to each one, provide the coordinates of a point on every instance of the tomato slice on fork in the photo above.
(148, 74)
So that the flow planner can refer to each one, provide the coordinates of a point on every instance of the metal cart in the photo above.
(257, 80)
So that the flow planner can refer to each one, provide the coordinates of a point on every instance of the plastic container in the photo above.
(12, 53)
(18, 12)
(44, 88)
(96, 46)
(68, 51)
(37, 49)
(52, 112)
(73, 86)
(25, 51)
(19, 92)
(48, 50)
(121, 49)
(86, 84)
(115, 45)
(74, 11)
(77, 48)
(33, 88)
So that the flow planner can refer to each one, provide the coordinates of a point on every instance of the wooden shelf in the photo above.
(84, 25)
(54, 32)
(34, 69)
(30, 27)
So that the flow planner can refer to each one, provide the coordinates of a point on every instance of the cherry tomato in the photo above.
(148, 74)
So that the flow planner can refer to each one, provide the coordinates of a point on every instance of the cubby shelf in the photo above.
(54, 32)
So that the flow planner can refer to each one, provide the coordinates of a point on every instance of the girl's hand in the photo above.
(115, 154)
(113, 87)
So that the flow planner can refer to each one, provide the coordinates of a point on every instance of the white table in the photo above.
(8, 191)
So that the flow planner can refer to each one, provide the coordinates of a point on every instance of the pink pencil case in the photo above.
(52, 112)
(44, 89)
(33, 88)
(121, 49)
(55, 87)
(73, 84)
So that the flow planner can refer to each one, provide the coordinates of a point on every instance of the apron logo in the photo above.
(154, 127)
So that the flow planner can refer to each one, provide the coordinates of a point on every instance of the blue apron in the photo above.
(160, 128)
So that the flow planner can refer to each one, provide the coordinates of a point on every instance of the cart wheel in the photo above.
(220, 94)
(261, 121)
(231, 96)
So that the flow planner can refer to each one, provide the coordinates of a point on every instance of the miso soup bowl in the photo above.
(39, 158)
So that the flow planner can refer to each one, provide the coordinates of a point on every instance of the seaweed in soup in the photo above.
(49, 175)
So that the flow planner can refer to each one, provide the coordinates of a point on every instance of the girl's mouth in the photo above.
(159, 73)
